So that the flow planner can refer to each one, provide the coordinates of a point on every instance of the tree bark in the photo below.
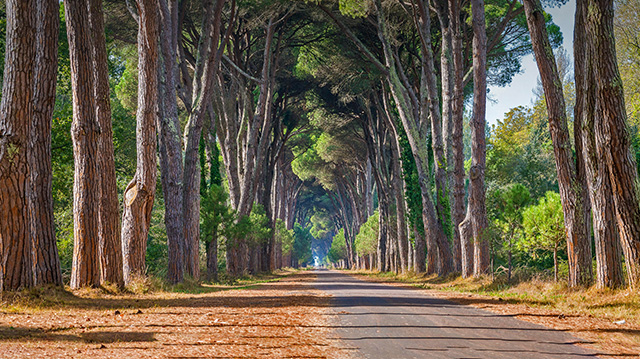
(605, 229)
(612, 133)
(46, 263)
(572, 190)
(109, 247)
(433, 228)
(85, 133)
(477, 210)
(16, 112)
(169, 143)
(457, 104)
(209, 61)
(140, 193)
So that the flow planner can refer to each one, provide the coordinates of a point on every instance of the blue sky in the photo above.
(520, 91)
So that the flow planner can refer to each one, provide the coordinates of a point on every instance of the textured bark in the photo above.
(477, 212)
(140, 193)
(419, 253)
(206, 69)
(433, 228)
(605, 229)
(169, 144)
(447, 80)
(46, 263)
(397, 187)
(16, 111)
(466, 244)
(572, 191)
(85, 132)
(109, 247)
(457, 107)
(612, 133)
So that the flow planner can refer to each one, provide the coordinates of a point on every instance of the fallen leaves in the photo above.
(285, 319)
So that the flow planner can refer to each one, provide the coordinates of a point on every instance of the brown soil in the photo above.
(284, 319)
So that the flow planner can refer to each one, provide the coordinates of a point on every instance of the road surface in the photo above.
(386, 322)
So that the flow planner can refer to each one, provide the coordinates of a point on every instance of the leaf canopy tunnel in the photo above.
(248, 136)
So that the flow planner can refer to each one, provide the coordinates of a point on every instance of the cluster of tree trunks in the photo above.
(242, 113)
(602, 179)
(597, 185)
(419, 107)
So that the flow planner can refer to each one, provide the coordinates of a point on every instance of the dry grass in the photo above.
(283, 318)
(589, 314)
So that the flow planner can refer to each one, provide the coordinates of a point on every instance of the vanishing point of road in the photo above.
(385, 321)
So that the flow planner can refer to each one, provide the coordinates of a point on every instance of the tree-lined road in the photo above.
(384, 321)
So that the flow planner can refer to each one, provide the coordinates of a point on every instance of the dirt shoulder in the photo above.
(594, 322)
(283, 319)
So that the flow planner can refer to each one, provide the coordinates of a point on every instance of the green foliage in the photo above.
(216, 218)
(627, 32)
(260, 231)
(321, 223)
(505, 207)
(127, 88)
(366, 241)
(302, 244)
(284, 236)
(413, 194)
(520, 151)
(338, 248)
(157, 253)
(355, 8)
(253, 228)
(544, 225)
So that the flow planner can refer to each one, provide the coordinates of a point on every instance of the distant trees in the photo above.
(572, 189)
(366, 242)
(544, 227)
(510, 202)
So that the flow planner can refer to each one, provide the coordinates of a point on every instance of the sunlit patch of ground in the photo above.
(278, 319)
(607, 320)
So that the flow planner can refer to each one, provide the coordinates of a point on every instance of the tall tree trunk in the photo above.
(457, 104)
(109, 247)
(209, 61)
(479, 222)
(383, 238)
(430, 109)
(419, 253)
(16, 112)
(46, 263)
(140, 193)
(401, 211)
(169, 144)
(605, 229)
(612, 133)
(85, 133)
(572, 190)
(433, 228)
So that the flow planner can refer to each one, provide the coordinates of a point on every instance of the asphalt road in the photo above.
(385, 322)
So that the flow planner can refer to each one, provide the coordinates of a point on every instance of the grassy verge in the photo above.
(140, 290)
(615, 305)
